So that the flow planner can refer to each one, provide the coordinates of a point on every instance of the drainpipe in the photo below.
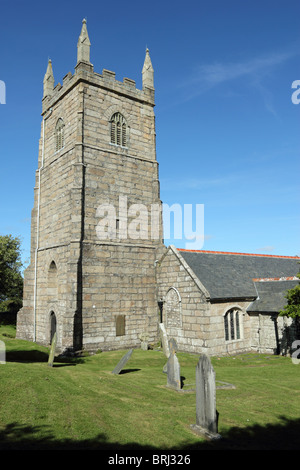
(38, 227)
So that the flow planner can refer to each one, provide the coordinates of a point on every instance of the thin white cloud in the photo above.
(209, 76)
(215, 74)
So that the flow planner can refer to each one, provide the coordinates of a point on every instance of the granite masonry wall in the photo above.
(94, 284)
(185, 312)
(191, 317)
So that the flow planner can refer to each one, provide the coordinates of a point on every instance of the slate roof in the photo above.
(230, 275)
(271, 296)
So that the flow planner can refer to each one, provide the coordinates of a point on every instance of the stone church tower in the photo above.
(96, 229)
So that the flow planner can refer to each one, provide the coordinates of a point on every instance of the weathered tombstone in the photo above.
(2, 353)
(173, 346)
(122, 362)
(52, 350)
(173, 372)
(164, 339)
(144, 341)
(206, 413)
(172, 349)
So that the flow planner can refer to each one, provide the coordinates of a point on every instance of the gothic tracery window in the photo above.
(59, 135)
(118, 130)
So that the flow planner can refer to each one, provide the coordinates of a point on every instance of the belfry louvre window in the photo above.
(118, 130)
(232, 325)
(59, 135)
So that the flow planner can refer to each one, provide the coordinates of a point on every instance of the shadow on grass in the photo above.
(26, 356)
(283, 436)
(128, 371)
(35, 355)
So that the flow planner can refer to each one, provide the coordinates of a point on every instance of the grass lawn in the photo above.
(80, 404)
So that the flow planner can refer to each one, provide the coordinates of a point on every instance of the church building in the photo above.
(100, 275)
(226, 303)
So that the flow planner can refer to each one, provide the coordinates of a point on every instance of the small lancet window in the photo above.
(59, 135)
(118, 130)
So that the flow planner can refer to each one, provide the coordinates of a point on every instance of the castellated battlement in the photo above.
(106, 81)
(84, 72)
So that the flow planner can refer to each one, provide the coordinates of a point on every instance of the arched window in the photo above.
(118, 130)
(52, 287)
(232, 325)
(52, 274)
(59, 135)
(52, 266)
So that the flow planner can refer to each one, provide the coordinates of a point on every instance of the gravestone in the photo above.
(52, 350)
(144, 341)
(173, 346)
(164, 339)
(2, 353)
(206, 413)
(173, 372)
(172, 350)
(122, 362)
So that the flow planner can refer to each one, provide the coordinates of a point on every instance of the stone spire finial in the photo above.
(48, 80)
(83, 45)
(148, 72)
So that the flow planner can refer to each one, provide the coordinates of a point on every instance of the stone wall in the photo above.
(272, 334)
(186, 314)
(118, 274)
(218, 345)
(118, 280)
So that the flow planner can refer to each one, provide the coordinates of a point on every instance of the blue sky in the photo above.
(227, 129)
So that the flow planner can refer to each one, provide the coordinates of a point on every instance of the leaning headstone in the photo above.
(164, 339)
(122, 362)
(173, 372)
(52, 350)
(206, 413)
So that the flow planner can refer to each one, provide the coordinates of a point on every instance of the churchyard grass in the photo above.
(78, 403)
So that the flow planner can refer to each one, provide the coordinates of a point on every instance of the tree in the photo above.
(11, 281)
